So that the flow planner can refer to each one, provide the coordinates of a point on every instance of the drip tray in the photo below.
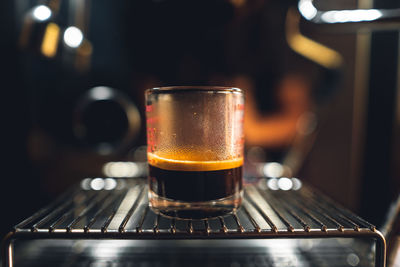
(336, 252)
(104, 221)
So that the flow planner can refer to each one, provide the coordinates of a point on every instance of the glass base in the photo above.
(194, 210)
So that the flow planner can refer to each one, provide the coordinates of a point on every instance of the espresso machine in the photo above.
(82, 67)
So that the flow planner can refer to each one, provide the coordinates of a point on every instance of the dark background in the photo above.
(141, 44)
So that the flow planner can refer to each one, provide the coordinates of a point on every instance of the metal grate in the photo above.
(118, 209)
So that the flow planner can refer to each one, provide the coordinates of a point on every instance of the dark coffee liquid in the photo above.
(195, 186)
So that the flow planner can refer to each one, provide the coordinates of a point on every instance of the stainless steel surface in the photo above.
(118, 209)
(195, 252)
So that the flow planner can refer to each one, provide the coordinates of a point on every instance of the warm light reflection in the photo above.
(238, 3)
(122, 169)
(73, 37)
(83, 56)
(308, 48)
(50, 40)
(41, 13)
(315, 52)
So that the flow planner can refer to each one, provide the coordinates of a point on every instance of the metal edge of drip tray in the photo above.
(119, 210)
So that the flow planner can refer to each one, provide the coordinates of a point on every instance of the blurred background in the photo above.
(322, 92)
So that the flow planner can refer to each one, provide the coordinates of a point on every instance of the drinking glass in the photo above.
(195, 150)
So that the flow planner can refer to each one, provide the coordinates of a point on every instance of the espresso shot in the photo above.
(195, 150)
(196, 186)
(176, 184)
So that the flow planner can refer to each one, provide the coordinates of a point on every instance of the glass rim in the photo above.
(205, 88)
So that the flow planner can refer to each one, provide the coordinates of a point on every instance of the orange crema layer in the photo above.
(191, 165)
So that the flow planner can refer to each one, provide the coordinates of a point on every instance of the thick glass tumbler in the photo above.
(195, 150)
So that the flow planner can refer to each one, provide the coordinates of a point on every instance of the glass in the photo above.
(195, 150)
